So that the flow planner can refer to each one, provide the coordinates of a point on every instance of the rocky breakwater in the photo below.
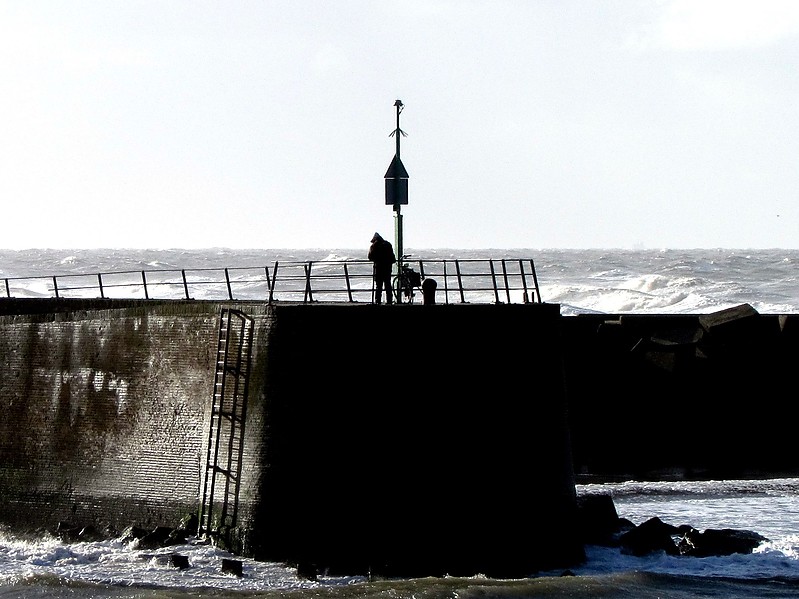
(601, 525)
(681, 396)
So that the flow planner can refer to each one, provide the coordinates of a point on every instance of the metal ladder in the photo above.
(219, 506)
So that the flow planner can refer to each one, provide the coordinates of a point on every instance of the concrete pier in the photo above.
(390, 440)
(402, 440)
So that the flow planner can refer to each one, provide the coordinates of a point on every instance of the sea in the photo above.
(641, 281)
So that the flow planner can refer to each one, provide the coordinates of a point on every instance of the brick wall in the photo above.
(105, 412)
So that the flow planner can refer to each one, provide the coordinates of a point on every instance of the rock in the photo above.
(597, 519)
(89, 534)
(713, 542)
(653, 535)
(307, 571)
(231, 566)
(179, 561)
(132, 533)
(67, 532)
(190, 523)
(600, 525)
(159, 537)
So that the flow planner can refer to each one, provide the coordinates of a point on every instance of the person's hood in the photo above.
(376, 237)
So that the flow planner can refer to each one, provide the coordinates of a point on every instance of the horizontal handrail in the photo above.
(472, 280)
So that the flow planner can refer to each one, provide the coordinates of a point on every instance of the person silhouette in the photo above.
(381, 253)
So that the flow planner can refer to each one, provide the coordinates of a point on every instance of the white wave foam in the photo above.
(116, 563)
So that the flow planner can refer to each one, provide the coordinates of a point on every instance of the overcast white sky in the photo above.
(530, 123)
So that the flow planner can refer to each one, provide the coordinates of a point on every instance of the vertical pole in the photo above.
(398, 247)
(397, 212)
(399, 106)
(398, 232)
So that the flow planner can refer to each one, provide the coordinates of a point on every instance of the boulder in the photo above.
(649, 537)
(725, 541)
(159, 537)
(132, 533)
(597, 519)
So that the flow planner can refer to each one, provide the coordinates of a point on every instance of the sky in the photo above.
(528, 123)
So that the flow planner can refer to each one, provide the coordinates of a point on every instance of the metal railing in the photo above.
(457, 281)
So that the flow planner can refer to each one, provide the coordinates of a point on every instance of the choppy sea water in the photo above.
(47, 567)
(611, 281)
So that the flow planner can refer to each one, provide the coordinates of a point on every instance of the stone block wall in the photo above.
(105, 413)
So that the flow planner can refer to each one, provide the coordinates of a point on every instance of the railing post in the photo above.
(505, 278)
(446, 284)
(227, 280)
(8, 289)
(144, 283)
(308, 290)
(274, 279)
(494, 280)
(347, 279)
(268, 282)
(535, 280)
(55, 286)
(524, 280)
(460, 280)
(185, 284)
(100, 283)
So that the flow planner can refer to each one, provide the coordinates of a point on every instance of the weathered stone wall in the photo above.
(105, 414)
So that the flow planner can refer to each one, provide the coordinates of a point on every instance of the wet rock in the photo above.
(159, 537)
(715, 542)
(231, 566)
(653, 535)
(597, 519)
(179, 561)
(132, 533)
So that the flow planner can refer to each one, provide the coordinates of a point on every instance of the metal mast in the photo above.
(396, 186)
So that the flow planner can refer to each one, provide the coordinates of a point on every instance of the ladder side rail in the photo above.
(217, 408)
(205, 509)
(228, 416)
(225, 470)
(215, 430)
(238, 452)
(236, 415)
(233, 366)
